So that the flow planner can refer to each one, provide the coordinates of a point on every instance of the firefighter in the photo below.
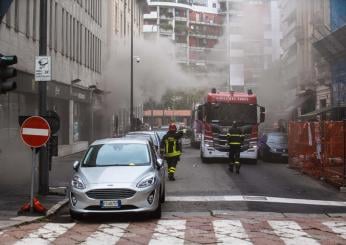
(235, 140)
(170, 148)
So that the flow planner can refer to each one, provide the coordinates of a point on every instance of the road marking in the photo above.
(338, 227)
(35, 131)
(230, 232)
(238, 198)
(169, 232)
(291, 233)
(107, 234)
(46, 234)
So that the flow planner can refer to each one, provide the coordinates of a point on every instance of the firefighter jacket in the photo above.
(235, 137)
(171, 145)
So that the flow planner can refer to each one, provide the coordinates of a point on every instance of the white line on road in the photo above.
(239, 198)
(291, 233)
(338, 227)
(46, 234)
(169, 232)
(230, 232)
(107, 234)
(35, 131)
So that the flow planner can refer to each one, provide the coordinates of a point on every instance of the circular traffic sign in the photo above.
(35, 131)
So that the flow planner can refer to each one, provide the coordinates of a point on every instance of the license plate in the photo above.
(110, 204)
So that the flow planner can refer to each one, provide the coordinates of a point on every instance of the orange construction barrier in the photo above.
(318, 149)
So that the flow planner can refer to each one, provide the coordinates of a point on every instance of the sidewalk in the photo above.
(13, 197)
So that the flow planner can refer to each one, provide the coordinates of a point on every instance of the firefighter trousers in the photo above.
(172, 164)
(234, 156)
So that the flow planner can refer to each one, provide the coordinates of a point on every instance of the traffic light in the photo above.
(7, 72)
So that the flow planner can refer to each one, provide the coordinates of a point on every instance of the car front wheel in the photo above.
(75, 215)
(158, 211)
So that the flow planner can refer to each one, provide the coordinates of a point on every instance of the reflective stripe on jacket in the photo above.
(235, 137)
(170, 144)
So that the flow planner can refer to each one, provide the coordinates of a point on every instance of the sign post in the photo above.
(35, 132)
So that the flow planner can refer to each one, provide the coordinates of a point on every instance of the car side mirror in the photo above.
(159, 163)
(76, 166)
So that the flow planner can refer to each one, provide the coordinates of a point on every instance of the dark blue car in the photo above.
(273, 147)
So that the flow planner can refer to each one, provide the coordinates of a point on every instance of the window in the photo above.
(85, 46)
(16, 15)
(77, 41)
(55, 27)
(63, 32)
(70, 38)
(50, 23)
(66, 34)
(27, 19)
(80, 42)
(73, 38)
(8, 18)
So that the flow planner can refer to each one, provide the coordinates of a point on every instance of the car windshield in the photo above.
(277, 139)
(118, 154)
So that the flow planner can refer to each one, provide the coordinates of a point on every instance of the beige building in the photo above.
(305, 74)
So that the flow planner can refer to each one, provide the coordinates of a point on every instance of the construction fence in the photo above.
(318, 149)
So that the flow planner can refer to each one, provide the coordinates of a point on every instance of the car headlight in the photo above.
(147, 181)
(77, 182)
(273, 150)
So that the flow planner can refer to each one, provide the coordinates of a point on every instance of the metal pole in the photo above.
(131, 58)
(92, 115)
(42, 107)
(344, 128)
(32, 180)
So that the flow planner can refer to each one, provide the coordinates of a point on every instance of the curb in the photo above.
(23, 220)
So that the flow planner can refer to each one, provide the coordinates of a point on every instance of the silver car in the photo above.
(118, 175)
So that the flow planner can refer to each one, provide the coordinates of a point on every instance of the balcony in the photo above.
(152, 15)
(205, 22)
(150, 28)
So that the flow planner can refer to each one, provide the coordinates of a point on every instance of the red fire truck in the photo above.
(217, 115)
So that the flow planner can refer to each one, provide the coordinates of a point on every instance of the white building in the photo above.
(253, 39)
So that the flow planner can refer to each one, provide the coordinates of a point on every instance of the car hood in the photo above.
(116, 174)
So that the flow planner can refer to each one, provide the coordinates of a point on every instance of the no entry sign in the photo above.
(35, 131)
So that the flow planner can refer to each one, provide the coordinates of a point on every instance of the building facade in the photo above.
(252, 40)
(195, 28)
(304, 73)
(330, 44)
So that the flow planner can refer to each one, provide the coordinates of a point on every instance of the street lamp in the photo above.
(131, 78)
(93, 89)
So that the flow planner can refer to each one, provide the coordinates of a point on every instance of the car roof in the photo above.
(120, 140)
(141, 132)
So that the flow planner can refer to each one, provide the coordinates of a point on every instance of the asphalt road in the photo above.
(261, 179)
(204, 180)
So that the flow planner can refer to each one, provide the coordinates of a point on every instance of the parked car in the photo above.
(152, 134)
(161, 133)
(116, 176)
(273, 146)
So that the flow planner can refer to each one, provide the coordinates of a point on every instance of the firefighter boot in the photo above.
(230, 167)
(171, 176)
(237, 167)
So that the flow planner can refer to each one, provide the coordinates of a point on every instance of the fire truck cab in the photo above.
(217, 115)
